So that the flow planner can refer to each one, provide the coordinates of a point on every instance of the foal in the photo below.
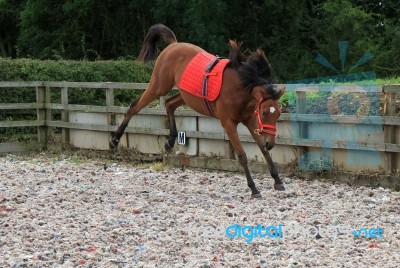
(247, 94)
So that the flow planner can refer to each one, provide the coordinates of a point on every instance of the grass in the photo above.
(388, 81)
(159, 166)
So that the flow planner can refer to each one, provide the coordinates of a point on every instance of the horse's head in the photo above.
(267, 112)
(257, 77)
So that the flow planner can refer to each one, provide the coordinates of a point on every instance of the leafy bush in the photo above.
(71, 71)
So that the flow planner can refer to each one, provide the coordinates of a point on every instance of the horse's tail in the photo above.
(150, 50)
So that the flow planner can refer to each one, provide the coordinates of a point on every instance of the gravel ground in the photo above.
(64, 212)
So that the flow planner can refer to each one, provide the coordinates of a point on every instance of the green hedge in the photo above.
(72, 71)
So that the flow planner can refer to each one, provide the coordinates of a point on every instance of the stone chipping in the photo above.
(66, 212)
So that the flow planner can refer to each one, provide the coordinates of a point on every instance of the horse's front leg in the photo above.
(231, 130)
(272, 169)
(171, 104)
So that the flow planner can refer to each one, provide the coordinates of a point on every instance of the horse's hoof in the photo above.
(279, 187)
(113, 144)
(254, 196)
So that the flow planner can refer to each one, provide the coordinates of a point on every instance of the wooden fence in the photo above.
(356, 142)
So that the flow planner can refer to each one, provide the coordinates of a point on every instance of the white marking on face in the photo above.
(272, 110)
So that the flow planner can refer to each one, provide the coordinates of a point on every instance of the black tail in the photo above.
(150, 50)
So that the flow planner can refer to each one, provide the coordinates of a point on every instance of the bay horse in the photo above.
(247, 96)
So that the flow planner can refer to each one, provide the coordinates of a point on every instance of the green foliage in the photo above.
(9, 12)
(73, 29)
(72, 71)
(389, 81)
(291, 32)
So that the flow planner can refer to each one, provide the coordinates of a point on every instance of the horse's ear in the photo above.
(258, 92)
(235, 55)
(281, 92)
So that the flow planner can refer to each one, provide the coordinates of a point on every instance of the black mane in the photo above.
(253, 71)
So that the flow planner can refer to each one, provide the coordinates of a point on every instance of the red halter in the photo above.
(266, 128)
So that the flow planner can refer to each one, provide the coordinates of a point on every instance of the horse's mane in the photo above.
(254, 70)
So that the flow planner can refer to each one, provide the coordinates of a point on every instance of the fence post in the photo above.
(162, 102)
(390, 130)
(65, 114)
(111, 120)
(301, 108)
(41, 116)
(49, 116)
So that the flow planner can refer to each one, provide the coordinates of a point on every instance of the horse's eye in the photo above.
(265, 114)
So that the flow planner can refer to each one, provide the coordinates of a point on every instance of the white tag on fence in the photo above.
(182, 138)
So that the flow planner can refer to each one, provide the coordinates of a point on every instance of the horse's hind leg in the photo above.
(171, 105)
(161, 82)
(135, 107)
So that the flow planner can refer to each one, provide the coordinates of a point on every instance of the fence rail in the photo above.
(297, 130)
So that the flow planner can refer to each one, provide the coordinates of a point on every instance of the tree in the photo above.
(291, 32)
(387, 36)
(9, 13)
(82, 29)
